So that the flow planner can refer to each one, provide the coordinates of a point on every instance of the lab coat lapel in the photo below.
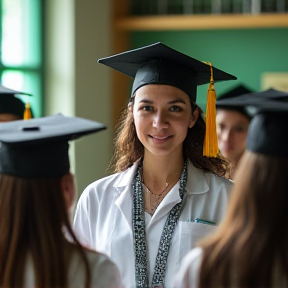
(171, 199)
(125, 191)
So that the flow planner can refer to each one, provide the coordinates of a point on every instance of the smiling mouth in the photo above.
(159, 138)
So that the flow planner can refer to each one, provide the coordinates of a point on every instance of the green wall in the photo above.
(244, 53)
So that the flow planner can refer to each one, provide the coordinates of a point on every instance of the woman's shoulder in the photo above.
(117, 179)
(104, 272)
(207, 180)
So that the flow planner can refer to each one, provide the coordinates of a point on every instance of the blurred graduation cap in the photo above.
(267, 132)
(160, 64)
(263, 96)
(9, 104)
(237, 91)
(38, 148)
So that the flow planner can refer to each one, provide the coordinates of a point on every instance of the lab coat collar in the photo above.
(196, 182)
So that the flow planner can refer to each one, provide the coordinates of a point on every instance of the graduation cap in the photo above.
(237, 91)
(38, 148)
(263, 96)
(9, 104)
(160, 64)
(267, 132)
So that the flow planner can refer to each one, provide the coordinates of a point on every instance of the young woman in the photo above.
(232, 127)
(249, 248)
(37, 245)
(149, 214)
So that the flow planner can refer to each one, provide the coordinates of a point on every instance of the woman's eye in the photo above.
(175, 108)
(146, 108)
(239, 129)
(221, 127)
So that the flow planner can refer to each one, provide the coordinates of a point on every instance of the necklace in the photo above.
(157, 195)
(152, 200)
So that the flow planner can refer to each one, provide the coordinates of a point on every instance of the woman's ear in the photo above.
(68, 190)
(194, 117)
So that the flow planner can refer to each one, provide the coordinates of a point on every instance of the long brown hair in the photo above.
(128, 147)
(33, 215)
(249, 248)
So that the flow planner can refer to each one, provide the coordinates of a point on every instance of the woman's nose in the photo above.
(160, 120)
(226, 135)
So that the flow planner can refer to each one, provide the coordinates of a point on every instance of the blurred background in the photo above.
(50, 48)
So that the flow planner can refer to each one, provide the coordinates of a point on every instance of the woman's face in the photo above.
(162, 115)
(232, 129)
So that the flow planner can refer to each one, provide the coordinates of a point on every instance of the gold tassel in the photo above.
(27, 113)
(210, 147)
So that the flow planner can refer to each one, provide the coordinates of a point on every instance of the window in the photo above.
(21, 53)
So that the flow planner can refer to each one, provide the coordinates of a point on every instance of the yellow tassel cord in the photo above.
(210, 147)
(27, 113)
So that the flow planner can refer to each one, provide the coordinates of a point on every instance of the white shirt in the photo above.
(104, 273)
(103, 219)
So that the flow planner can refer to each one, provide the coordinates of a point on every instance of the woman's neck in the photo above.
(159, 170)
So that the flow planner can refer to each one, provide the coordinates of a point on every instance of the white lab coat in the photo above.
(188, 275)
(103, 219)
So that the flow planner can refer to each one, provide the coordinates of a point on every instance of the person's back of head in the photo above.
(36, 192)
(249, 248)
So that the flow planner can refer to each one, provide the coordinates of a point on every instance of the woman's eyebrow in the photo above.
(146, 101)
(170, 102)
(177, 101)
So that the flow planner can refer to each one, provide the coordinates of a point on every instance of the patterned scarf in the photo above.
(139, 233)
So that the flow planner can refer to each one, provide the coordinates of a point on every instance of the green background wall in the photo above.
(244, 53)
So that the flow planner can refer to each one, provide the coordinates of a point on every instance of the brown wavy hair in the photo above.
(249, 248)
(33, 215)
(129, 149)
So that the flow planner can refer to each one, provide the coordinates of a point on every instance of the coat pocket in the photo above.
(190, 234)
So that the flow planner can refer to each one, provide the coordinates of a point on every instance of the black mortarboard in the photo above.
(38, 148)
(160, 64)
(244, 100)
(267, 133)
(237, 91)
(9, 104)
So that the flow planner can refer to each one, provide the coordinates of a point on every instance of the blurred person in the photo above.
(11, 107)
(38, 247)
(232, 126)
(249, 249)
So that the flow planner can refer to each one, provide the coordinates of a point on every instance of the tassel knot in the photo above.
(27, 113)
